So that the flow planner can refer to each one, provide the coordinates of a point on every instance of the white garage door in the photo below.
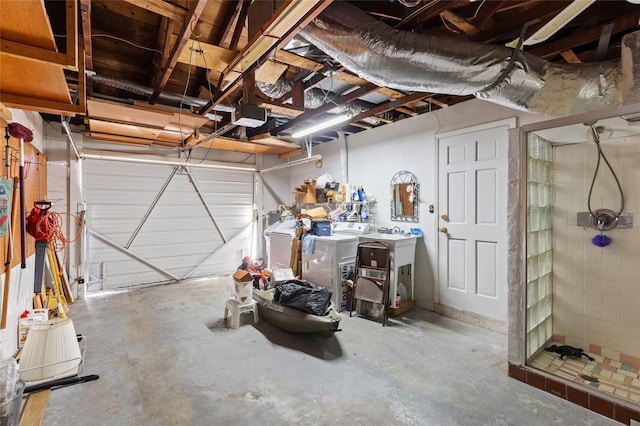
(150, 223)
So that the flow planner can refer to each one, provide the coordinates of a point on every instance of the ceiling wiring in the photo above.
(478, 9)
(126, 41)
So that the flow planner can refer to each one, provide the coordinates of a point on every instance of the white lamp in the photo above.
(50, 352)
(323, 125)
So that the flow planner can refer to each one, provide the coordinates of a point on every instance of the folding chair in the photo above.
(371, 283)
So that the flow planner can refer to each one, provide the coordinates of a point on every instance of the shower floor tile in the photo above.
(612, 377)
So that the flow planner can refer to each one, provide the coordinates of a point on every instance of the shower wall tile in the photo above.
(576, 343)
(594, 285)
(576, 249)
(631, 262)
(612, 328)
(593, 267)
(611, 354)
(575, 273)
(630, 312)
(611, 261)
(630, 283)
(596, 290)
(574, 230)
(612, 343)
(593, 311)
(613, 315)
(612, 301)
(631, 334)
(561, 267)
(613, 279)
(593, 298)
(629, 347)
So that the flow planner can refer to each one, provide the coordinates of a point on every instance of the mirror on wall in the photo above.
(404, 197)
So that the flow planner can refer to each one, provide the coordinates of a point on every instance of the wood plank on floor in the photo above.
(33, 411)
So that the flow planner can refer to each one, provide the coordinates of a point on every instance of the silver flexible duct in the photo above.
(164, 97)
(422, 63)
(315, 98)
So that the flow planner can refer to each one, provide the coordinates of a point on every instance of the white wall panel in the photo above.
(178, 236)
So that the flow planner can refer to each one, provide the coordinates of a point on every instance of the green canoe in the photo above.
(295, 320)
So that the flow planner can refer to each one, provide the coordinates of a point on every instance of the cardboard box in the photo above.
(242, 276)
(307, 193)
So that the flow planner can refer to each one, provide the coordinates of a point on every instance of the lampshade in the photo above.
(51, 351)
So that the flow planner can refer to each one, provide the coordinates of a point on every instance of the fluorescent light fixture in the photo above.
(96, 155)
(331, 122)
(293, 163)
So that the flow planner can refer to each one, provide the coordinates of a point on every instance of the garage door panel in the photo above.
(178, 235)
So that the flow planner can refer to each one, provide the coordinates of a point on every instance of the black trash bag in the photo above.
(303, 295)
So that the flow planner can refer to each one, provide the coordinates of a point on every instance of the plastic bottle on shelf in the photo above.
(362, 196)
(364, 212)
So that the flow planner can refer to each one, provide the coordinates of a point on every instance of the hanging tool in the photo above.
(64, 278)
(56, 285)
(23, 134)
(9, 253)
(35, 227)
(60, 382)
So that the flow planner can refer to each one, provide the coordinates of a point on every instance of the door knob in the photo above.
(445, 216)
(443, 230)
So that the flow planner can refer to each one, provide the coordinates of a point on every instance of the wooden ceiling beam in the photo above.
(85, 12)
(120, 138)
(512, 27)
(72, 35)
(387, 106)
(40, 105)
(32, 53)
(483, 17)
(585, 36)
(459, 22)
(237, 30)
(161, 8)
(211, 57)
(278, 31)
(197, 6)
(297, 61)
(509, 5)
(428, 11)
(570, 56)
(230, 18)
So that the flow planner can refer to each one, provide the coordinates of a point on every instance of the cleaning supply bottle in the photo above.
(354, 193)
(362, 196)
(364, 212)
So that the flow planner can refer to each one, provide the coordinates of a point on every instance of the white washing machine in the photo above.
(279, 237)
(332, 259)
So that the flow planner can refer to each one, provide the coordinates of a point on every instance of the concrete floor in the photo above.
(165, 357)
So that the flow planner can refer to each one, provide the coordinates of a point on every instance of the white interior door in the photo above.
(472, 267)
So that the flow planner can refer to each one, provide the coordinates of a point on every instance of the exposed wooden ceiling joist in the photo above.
(162, 8)
(197, 6)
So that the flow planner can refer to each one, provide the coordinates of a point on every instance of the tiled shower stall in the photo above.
(578, 293)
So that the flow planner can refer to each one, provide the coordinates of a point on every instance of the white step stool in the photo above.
(236, 308)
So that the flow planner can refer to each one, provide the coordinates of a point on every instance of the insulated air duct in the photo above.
(164, 97)
(422, 63)
(315, 98)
